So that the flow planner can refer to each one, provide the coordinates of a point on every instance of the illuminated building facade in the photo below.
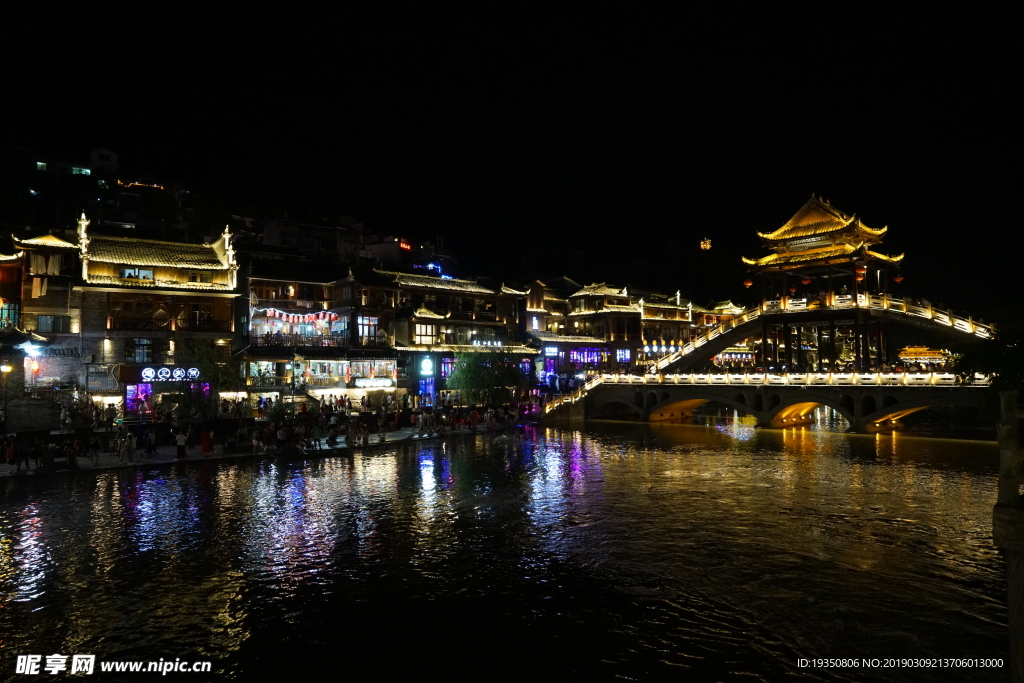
(109, 307)
(603, 328)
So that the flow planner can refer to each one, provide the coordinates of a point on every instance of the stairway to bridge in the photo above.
(883, 307)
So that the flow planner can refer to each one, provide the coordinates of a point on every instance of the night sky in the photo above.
(602, 150)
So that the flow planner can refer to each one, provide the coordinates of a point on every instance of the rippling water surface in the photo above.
(619, 552)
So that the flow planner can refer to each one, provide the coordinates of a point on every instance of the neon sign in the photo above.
(169, 374)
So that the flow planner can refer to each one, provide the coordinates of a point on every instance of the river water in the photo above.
(619, 552)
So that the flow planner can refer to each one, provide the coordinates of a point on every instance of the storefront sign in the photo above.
(166, 374)
(364, 383)
(426, 367)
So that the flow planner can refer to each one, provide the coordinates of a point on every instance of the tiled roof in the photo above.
(509, 290)
(802, 256)
(818, 217)
(155, 284)
(136, 252)
(427, 313)
(600, 289)
(409, 280)
(11, 257)
(47, 241)
(818, 255)
(719, 306)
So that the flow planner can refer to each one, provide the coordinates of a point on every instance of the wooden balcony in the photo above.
(148, 324)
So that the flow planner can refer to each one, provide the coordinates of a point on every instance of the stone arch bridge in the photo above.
(868, 401)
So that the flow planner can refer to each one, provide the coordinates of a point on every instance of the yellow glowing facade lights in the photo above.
(705, 244)
(134, 184)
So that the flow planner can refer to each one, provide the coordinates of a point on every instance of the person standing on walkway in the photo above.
(206, 442)
(182, 441)
(94, 450)
(129, 447)
(18, 455)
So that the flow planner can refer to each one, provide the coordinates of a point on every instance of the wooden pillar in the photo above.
(857, 345)
(764, 343)
(832, 344)
(800, 346)
(787, 333)
(817, 330)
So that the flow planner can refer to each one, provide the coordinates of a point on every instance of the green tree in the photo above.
(1002, 357)
(483, 377)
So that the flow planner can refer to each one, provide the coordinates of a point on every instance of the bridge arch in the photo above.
(674, 408)
(796, 409)
(602, 404)
(888, 416)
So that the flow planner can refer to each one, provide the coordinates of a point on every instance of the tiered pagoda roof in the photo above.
(820, 235)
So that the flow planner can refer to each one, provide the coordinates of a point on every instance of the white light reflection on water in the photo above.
(28, 560)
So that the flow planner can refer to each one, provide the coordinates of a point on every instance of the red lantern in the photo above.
(792, 289)
(806, 281)
(748, 282)
(898, 278)
(860, 277)
(862, 269)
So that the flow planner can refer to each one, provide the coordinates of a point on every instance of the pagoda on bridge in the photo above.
(824, 268)
(819, 254)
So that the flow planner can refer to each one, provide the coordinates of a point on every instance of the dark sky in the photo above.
(578, 148)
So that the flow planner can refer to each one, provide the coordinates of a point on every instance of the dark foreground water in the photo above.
(620, 552)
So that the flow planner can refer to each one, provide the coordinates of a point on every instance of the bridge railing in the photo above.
(879, 302)
(910, 379)
(903, 379)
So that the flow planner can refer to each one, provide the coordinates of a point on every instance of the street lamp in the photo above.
(6, 370)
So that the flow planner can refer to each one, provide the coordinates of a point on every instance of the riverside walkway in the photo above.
(167, 454)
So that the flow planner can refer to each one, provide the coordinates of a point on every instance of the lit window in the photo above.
(40, 165)
(367, 329)
(535, 323)
(138, 351)
(426, 334)
(137, 273)
(78, 170)
(54, 323)
(622, 355)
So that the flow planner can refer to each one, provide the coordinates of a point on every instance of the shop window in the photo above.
(622, 355)
(54, 323)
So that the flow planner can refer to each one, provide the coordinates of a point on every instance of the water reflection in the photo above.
(643, 550)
